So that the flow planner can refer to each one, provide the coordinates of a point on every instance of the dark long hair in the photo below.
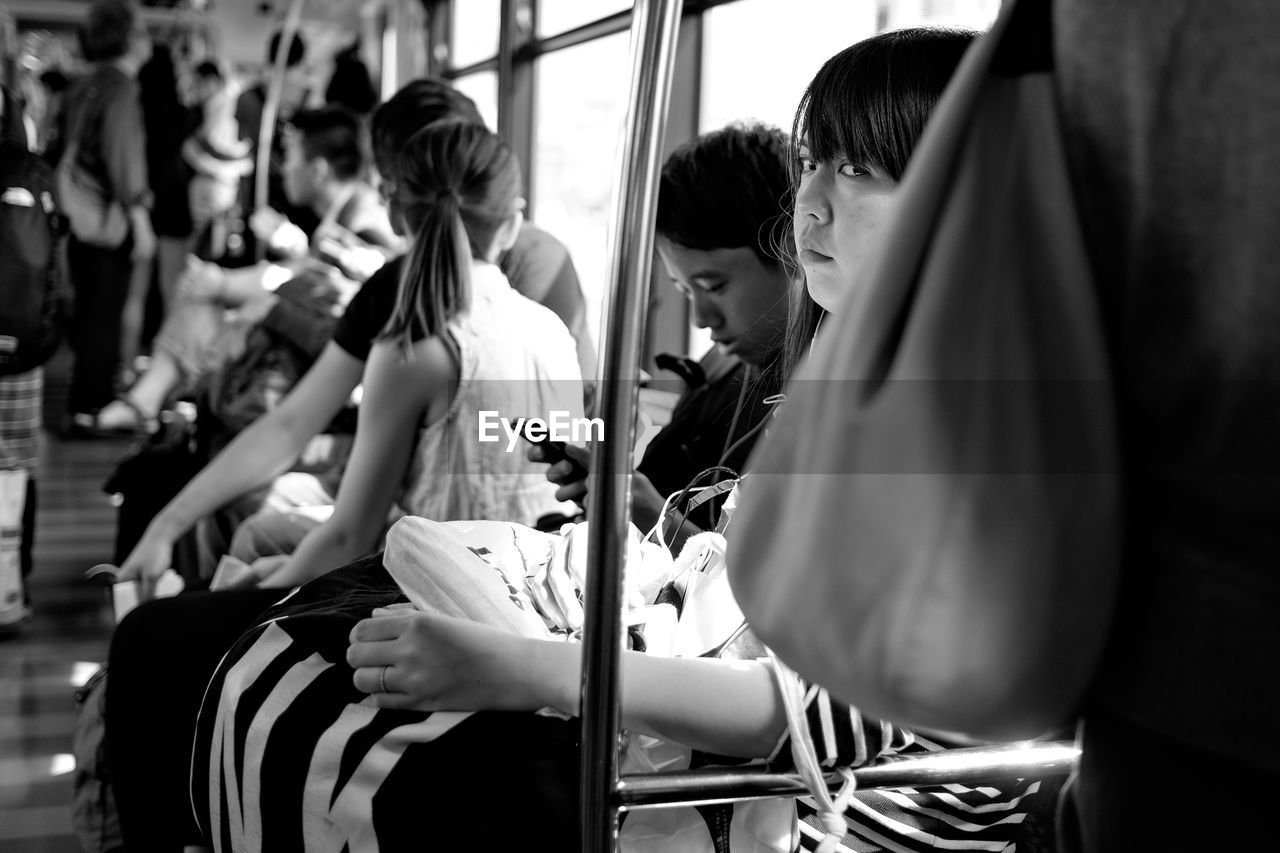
(456, 184)
(868, 103)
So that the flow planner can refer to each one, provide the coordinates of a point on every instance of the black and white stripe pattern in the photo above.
(906, 820)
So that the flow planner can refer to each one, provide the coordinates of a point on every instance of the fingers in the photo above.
(578, 454)
(379, 628)
(369, 679)
(575, 491)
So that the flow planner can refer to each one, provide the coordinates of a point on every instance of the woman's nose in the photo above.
(811, 197)
(705, 313)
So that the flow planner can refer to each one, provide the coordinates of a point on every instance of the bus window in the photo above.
(482, 87)
(581, 102)
(787, 49)
(557, 16)
(476, 26)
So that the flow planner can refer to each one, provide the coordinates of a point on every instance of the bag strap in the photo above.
(830, 809)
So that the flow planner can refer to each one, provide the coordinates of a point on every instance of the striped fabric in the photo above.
(950, 817)
(20, 419)
(290, 756)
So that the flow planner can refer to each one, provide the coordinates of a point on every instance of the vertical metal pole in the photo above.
(271, 108)
(653, 40)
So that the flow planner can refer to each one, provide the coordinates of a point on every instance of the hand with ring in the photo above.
(428, 662)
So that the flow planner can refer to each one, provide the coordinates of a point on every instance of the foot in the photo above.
(121, 417)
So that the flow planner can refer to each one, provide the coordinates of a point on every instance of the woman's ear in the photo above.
(508, 232)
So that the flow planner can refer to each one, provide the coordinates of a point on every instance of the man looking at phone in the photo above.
(718, 243)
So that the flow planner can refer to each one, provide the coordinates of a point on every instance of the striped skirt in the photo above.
(290, 756)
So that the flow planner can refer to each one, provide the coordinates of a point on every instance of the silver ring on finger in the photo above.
(382, 679)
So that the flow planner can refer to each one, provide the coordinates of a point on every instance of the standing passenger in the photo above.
(104, 114)
(1172, 121)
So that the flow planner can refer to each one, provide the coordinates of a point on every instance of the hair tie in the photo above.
(450, 194)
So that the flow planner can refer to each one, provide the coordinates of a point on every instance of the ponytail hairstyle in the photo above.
(456, 184)
(870, 103)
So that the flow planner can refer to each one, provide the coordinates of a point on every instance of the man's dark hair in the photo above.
(351, 85)
(727, 190)
(109, 29)
(297, 49)
(335, 135)
(418, 103)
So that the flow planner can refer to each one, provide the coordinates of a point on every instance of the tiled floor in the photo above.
(60, 648)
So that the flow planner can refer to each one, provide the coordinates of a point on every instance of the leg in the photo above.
(28, 535)
(172, 258)
(213, 535)
(146, 397)
(131, 314)
(100, 280)
(268, 534)
(162, 656)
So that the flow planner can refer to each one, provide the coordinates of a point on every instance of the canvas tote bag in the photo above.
(96, 218)
(931, 528)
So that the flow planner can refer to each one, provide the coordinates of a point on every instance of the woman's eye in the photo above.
(715, 287)
(807, 165)
(853, 170)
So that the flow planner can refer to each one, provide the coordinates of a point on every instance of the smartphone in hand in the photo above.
(555, 452)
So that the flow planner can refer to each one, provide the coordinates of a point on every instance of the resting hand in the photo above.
(264, 572)
(148, 560)
(440, 663)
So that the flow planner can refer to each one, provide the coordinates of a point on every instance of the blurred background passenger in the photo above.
(218, 154)
(351, 86)
(168, 122)
(103, 128)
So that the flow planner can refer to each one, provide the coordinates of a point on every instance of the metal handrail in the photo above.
(969, 766)
(653, 41)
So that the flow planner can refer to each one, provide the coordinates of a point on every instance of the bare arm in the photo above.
(255, 457)
(396, 393)
(442, 663)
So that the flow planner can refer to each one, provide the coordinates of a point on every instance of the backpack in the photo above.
(31, 288)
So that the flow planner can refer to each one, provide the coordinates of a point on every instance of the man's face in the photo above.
(739, 298)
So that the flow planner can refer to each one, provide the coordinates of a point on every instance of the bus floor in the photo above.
(64, 642)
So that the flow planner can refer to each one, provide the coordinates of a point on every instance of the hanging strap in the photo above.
(830, 809)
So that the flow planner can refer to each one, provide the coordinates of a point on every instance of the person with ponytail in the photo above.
(460, 341)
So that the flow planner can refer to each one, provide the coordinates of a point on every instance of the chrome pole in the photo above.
(271, 108)
(653, 42)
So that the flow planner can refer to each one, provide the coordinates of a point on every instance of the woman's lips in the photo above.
(809, 256)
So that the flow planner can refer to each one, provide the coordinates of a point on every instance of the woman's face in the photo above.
(840, 204)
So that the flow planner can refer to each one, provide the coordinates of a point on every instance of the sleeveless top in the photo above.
(516, 359)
